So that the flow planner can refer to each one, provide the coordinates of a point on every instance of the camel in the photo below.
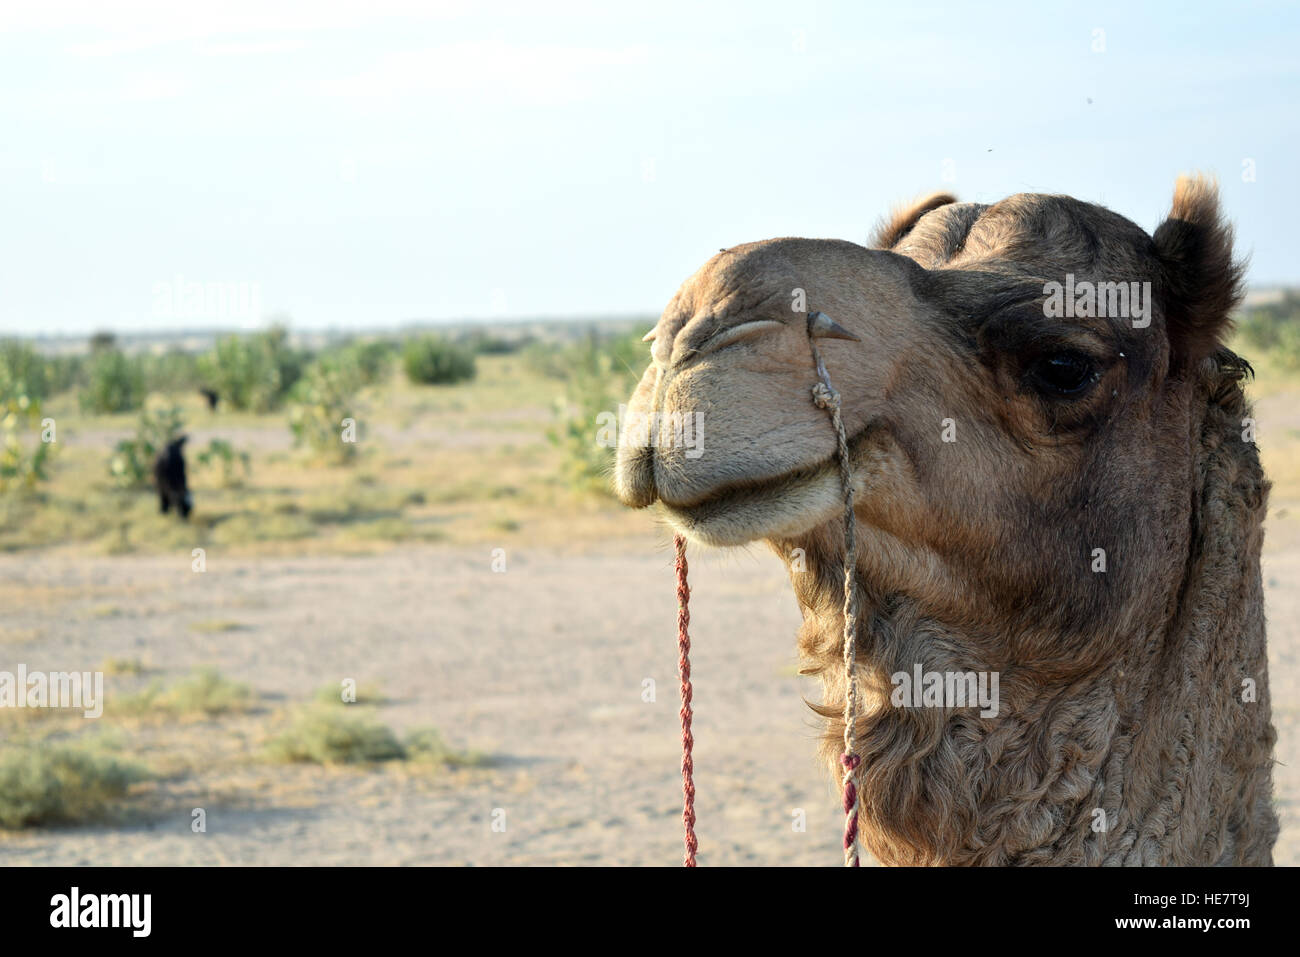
(1055, 484)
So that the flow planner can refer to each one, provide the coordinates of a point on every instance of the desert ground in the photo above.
(532, 626)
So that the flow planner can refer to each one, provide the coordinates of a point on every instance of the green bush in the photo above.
(252, 373)
(487, 344)
(23, 371)
(322, 400)
(322, 734)
(601, 374)
(22, 457)
(115, 383)
(131, 463)
(103, 339)
(205, 692)
(65, 372)
(171, 371)
(220, 452)
(432, 360)
(426, 746)
(43, 783)
(330, 736)
(373, 360)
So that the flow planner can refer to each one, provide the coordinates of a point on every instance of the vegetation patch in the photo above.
(43, 784)
(205, 692)
(432, 360)
(324, 734)
(216, 626)
(123, 666)
(426, 746)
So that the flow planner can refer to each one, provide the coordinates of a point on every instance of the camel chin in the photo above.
(777, 509)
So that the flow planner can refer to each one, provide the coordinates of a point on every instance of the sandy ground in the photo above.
(543, 666)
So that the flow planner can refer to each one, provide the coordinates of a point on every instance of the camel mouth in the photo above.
(780, 507)
(783, 506)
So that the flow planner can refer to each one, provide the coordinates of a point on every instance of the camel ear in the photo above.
(1200, 281)
(901, 221)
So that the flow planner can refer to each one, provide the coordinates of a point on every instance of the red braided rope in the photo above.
(825, 397)
(684, 671)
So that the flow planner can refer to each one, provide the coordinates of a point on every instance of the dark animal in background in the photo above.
(169, 476)
(211, 396)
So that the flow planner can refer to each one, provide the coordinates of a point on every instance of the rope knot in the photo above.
(850, 761)
(825, 397)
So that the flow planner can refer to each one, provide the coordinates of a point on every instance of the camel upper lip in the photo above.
(740, 491)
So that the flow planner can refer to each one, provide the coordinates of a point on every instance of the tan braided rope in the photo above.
(826, 397)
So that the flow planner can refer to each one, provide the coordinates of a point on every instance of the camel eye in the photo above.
(1063, 373)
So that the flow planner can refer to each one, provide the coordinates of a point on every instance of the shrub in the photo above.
(221, 452)
(205, 692)
(131, 463)
(101, 340)
(426, 745)
(115, 383)
(22, 458)
(432, 360)
(330, 736)
(252, 373)
(23, 371)
(65, 372)
(373, 360)
(322, 734)
(123, 666)
(601, 375)
(44, 784)
(172, 371)
(322, 400)
(488, 344)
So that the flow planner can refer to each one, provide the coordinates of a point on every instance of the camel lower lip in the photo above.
(782, 506)
(729, 495)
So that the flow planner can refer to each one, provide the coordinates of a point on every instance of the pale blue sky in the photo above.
(366, 164)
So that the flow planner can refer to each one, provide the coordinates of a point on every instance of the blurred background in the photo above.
(449, 224)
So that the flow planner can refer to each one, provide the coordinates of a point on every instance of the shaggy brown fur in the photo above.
(1146, 723)
(1133, 725)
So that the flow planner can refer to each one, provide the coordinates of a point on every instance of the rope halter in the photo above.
(825, 397)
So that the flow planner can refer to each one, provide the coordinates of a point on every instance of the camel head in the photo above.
(1053, 483)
